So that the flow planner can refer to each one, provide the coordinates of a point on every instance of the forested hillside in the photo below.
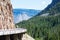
(44, 27)
(52, 9)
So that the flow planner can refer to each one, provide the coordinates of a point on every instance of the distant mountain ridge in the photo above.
(30, 12)
(24, 14)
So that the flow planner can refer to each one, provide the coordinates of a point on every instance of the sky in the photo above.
(30, 4)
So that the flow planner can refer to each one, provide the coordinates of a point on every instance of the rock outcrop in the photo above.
(6, 16)
(27, 37)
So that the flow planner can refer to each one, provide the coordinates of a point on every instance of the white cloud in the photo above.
(21, 17)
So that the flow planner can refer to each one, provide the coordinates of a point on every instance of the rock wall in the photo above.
(6, 16)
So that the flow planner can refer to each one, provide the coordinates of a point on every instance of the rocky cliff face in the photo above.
(6, 16)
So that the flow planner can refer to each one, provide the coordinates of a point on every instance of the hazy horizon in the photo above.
(30, 4)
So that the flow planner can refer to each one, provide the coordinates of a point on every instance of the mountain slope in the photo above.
(21, 17)
(44, 28)
(53, 7)
(24, 14)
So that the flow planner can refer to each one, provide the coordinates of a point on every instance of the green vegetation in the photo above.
(44, 28)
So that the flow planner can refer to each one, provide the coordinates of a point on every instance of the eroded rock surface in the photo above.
(6, 16)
